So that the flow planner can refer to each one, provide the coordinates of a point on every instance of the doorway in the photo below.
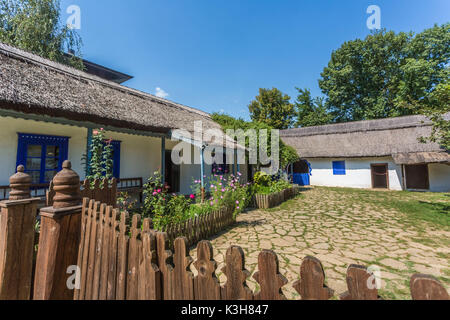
(417, 177)
(380, 176)
(172, 173)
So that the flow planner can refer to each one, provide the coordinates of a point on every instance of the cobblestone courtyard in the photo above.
(341, 227)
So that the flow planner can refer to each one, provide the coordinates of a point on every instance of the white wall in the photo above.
(9, 127)
(439, 177)
(358, 173)
(140, 156)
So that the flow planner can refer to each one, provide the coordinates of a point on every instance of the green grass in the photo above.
(417, 207)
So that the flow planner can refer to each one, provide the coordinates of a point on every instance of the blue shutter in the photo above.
(116, 158)
(339, 168)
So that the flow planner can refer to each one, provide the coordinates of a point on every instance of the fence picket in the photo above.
(149, 273)
(183, 278)
(206, 284)
(165, 265)
(424, 287)
(236, 287)
(312, 286)
(357, 280)
(269, 278)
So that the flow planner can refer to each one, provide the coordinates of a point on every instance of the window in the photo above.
(41, 155)
(339, 168)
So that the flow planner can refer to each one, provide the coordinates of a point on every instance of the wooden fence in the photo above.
(118, 263)
(104, 190)
(267, 201)
(201, 227)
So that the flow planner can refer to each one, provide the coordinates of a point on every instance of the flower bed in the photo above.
(267, 201)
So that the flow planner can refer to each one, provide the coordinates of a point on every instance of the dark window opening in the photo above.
(417, 177)
(172, 173)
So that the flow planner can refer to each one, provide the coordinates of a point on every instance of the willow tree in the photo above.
(36, 26)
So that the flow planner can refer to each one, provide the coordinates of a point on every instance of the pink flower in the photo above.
(237, 202)
(211, 203)
(192, 196)
(155, 193)
(159, 190)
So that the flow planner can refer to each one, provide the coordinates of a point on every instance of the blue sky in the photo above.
(215, 55)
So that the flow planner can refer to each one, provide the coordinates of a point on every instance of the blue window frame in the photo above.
(339, 168)
(42, 155)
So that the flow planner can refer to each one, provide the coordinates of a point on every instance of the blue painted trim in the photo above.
(26, 139)
(116, 158)
(339, 168)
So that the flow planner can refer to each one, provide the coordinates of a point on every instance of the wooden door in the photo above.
(380, 176)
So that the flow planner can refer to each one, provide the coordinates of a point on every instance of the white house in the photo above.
(382, 153)
(48, 112)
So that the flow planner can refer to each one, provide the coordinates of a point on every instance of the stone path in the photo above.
(340, 229)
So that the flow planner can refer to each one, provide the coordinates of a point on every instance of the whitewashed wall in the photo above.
(358, 173)
(439, 177)
(140, 156)
(9, 127)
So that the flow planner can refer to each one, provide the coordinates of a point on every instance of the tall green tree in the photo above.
(273, 108)
(311, 111)
(288, 155)
(35, 26)
(437, 108)
(386, 74)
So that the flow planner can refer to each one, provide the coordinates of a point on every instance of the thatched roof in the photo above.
(373, 138)
(31, 84)
(421, 157)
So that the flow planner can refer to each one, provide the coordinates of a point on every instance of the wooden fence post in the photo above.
(17, 221)
(59, 238)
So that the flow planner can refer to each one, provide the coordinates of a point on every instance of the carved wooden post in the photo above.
(17, 221)
(59, 238)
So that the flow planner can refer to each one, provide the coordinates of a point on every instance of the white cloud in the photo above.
(161, 93)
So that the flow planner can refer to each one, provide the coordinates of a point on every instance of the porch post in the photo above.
(88, 150)
(202, 172)
(163, 159)
(59, 238)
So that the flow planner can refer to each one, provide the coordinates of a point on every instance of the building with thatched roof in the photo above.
(48, 112)
(382, 153)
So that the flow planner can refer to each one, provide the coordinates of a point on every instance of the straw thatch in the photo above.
(373, 138)
(31, 84)
(421, 157)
